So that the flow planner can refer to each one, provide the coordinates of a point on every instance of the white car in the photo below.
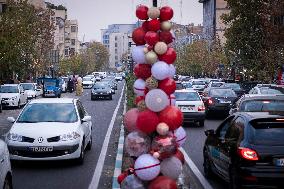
(13, 95)
(118, 77)
(32, 90)
(191, 105)
(5, 167)
(50, 129)
(88, 82)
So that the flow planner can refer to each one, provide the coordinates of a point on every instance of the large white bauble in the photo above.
(172, 71)
(132, 182)
(161, 48)
(153, 12)
(172, 100)
(180, 135)
(151, 57)
(157, 100)
(162, 129)
(160, 70)
(147, 167)
(138, 54)
(166, 26)
(171, 167)
(139, 87)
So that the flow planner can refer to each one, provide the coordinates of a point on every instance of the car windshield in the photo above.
(198, 82)
(9, 89)
(100, 85)
(48, 112)
(187, 96)
(50, 83)
(262, 106)
(269, 91)
(233, 86)
(222, 93)
(87, 79)
(28, 86)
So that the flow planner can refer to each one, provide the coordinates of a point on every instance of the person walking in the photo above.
(79, 86)
(70, 85)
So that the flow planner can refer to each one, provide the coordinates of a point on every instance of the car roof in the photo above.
(260, 115)
(186, 90)
(13, 85)
(263, 97)
(53, 100)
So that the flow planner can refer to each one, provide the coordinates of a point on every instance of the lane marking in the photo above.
(100, 164)
(196, 171)
(118, 161)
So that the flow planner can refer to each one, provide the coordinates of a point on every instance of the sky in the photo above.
(94, 15)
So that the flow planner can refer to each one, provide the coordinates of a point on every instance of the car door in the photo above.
(86, 126)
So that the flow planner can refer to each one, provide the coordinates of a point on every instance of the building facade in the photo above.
(72, 44)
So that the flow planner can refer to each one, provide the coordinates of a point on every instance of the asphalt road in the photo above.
(59, 174)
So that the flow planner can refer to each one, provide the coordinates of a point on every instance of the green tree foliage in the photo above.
(26, 36)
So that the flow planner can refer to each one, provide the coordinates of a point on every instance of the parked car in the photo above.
(219, 100)
(13, 95)
(88, 82)
(259, 103)
(50, 129)
(32, 90)
(101, 90)
(246, 149)
(5, 167)
(191, 105)
(236, 87)
(51, 87)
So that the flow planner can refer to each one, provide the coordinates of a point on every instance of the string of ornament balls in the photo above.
(155, 125)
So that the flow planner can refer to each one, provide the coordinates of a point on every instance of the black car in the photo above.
(247, 149)
(218, 100)
(236, 87)
(112, 82)
(101, 90)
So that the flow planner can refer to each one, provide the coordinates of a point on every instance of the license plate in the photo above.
(279, 162)
(41, 149)
(225, 102)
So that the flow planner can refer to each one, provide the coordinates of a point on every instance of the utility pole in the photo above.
(155, 3)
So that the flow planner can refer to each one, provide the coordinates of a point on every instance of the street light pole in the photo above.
(155, 3)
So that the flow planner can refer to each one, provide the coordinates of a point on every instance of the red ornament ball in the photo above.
(180, 156)
(138, 99)
(163, 182)
(146, 90)
(147, 121)
(142, 12)
(145, 25)
(166, 13)
(154, 25)
(166, 37)
(172, 116)
(142, 71)
(169, 57)
(168, 85)
(121, 177)
(138, 36)
(151, 38)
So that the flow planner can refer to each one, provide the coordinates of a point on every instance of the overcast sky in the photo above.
(94, 15)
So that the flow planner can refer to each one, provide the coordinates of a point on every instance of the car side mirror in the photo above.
(210, 132)
(87, 118)
(11, 119)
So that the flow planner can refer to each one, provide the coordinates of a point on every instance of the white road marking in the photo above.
(196, 171)
(100, 164)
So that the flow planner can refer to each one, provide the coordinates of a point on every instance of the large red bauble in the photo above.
(172, 116)
(180, 156)
(138, 36)
(142, 71)
(147, 121)
(141, 12)
(169, 57)
(163, 182)
(166, 37)
(121, 177)
(139, 99)
(166, 13)
(154, 25)
(168, 85)
(151, 38)
(145, 25)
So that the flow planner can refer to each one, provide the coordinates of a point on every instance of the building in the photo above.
(212, 21)
(116, 39)
(72, 44)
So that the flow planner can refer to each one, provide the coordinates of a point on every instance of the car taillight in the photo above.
(210, 101)
(248, 154)
(201, 108)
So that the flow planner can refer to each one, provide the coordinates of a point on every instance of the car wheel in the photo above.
(8, 183)
(234, 180)
(80, 160)
(201, 123)
(207, 165)
(90, 143)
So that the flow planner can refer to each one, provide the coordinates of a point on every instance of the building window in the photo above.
(73, 28)
(73, 41)
(116, 57)
(115, 51)
(66, 52)
(2, 7)
(115, 44)
(115, 38)
(72, 51)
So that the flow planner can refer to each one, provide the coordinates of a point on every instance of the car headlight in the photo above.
(14, 137)
(69, 136)
(13, 98)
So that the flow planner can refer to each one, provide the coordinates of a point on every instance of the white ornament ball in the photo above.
(171, 167)
(172, 100)
(157, 100)
(139, 87)
(151, 57)
(145, 50)
(138, 54)
(161, 48)
(180, 135)
(156, 155)
(166, 26)
(160, 70)
(147, 167)
(172, 71)
(153, 12)
(162, 129)
(132, 182)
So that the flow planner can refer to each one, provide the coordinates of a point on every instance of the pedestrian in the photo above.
(70, 85)
(79, 86)
(74, 82)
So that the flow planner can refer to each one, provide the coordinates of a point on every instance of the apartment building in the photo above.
(72, 44)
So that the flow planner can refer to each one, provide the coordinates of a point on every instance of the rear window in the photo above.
(270, 91)
(198, 83)
(233, 86)
(187, 96)
(222, 93)
(267, 132)
(216, 84)
(262, 106)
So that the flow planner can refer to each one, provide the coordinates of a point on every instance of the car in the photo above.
(259, 103)
(112, 83)
(88, 82)
(198, 85)
(101, 90)
(63, 84)
(218, 100)
(246, 149)
(187, 85)
(50, 129)
(5, 167)
(118, 77)
(191, 105)
(51, 87)
(236, 87)
(179, 85)
(266, 89)
(215, 84)
(13, 95)
(32, 90)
